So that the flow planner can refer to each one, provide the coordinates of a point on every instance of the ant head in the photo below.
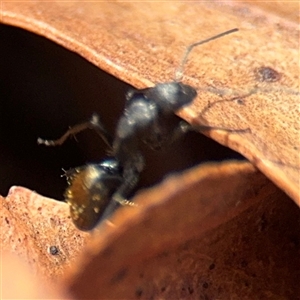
(171, 96)
(174, 95)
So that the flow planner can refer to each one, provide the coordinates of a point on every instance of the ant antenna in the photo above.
(179, 72)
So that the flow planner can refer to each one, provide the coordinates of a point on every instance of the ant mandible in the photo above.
(96, 190)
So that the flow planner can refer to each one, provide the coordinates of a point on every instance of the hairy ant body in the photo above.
(95, 190)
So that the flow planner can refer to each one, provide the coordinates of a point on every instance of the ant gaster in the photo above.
(95, 190)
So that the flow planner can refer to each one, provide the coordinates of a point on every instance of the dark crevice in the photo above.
(44, 89)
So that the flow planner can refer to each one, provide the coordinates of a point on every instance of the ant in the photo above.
(96, 190)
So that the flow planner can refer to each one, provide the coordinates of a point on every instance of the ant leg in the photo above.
(94, 123)
(206, 128)
(131, 174)
(184, 127)
(120, 197)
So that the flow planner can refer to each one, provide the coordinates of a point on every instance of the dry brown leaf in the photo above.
(31, 224)
(166, 246)
(18, 282)
(246, 80)
(175, 220)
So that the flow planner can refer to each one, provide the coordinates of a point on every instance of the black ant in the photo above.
(95, 190)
